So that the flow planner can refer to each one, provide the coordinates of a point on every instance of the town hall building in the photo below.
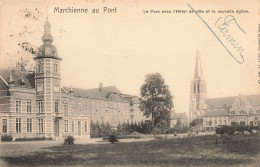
(34, 104)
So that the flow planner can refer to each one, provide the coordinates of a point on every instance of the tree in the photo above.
(196, 122)
(156, 100)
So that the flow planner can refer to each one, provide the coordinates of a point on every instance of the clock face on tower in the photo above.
(56, 89)
(39, 88)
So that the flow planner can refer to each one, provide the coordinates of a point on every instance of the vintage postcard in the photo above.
(129, 83)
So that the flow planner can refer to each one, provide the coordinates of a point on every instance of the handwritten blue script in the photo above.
(223, 27)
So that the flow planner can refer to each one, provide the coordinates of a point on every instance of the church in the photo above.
(214, 112)
(34, 104)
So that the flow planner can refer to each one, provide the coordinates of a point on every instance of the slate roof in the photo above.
(222, 102)
(254, 100)
(110, 93)
(225, 102)
(216, 113)
(18, 76)
(131, 98)
(177, 115)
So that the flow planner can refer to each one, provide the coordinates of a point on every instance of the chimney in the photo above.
(100, 87)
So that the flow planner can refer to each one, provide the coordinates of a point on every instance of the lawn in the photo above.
(192, 151)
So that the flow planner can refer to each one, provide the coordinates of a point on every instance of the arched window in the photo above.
(198, 87)
(194, 87)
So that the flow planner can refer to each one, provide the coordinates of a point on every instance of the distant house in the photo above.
(239, 110)
(180, 119)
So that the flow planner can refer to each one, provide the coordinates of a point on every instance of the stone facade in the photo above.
(240, 110)
(31, 103)
(107, 105)
(215, 112)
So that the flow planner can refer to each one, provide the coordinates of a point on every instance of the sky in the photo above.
(121, 48)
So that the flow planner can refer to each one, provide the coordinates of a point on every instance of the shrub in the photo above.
(7, 138)
(33, 138)
(112, 139)
(69, 140)
(178, 129)
(225, 130)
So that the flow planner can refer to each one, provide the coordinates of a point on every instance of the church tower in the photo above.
(197, 91)
(47, 81)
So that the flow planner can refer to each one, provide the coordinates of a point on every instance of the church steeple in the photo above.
(197, 91)
(47, 38)
(198, 70)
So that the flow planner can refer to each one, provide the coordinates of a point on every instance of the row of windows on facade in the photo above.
(18, 126)
(18, 107)
(104, 103)
(97, 110)
(232, 123)
(242, 123)
(56, 108)
(40, 67)
(242, 112)
(224, 122)
(39, 88)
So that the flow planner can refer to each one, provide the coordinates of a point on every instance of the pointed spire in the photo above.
(47, 38)
(11, 79)
(71, 89)
(198, 70)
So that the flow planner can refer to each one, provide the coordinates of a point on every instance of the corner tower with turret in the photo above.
(197, 91)
(47, 81)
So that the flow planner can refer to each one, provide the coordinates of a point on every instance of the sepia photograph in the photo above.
(132, 83)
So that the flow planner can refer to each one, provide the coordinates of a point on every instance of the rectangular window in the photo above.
(56, 104)
(29, 107)
(18, 106)
(55, 67)
(39, 66)
(29, 125)
(40, 106)
(86, 126)
(72, 126)
(40, 125)
(4, 125)
(66, 125)
(242, 123)
(66, 110)
(18, 125)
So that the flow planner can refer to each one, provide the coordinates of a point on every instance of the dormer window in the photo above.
(251, 113)
(21, 82)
